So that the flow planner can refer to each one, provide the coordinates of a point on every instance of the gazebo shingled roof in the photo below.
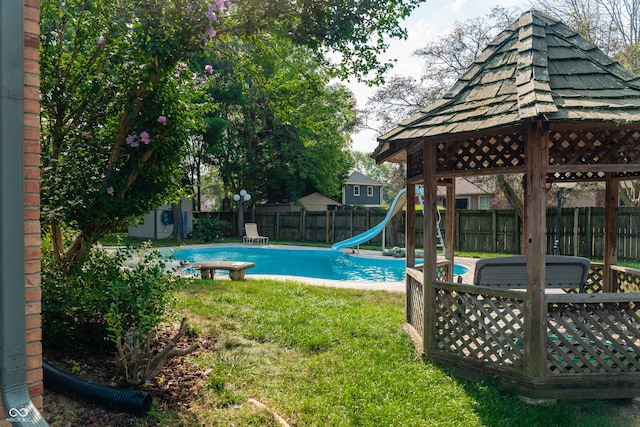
(543, 102)
(536, 68)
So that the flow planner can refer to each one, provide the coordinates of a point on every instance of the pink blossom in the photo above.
(145, 137)
(220, 4)
(55, 35)
(210, 32)
(208, 69)
(132, 140)
(211, 15)
(101, 40)
(110, 191)
(162, 120)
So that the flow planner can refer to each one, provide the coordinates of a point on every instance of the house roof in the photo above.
(318, 198)
(536, 68)
(361, 179)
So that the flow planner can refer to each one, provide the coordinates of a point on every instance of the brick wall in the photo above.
(32, 198)
(32, 202)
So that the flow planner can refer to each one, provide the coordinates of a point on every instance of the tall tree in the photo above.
(287, 130)
(116, 110)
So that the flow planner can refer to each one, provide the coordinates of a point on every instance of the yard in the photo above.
(317, 357)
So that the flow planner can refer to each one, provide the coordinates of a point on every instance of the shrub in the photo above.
(75, 304)
(119, 296)
(116, 288)
(209, 227)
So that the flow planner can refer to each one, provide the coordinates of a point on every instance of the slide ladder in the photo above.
(440, 242)
(396, 206)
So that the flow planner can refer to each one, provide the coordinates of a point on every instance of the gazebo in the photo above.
(542, 102)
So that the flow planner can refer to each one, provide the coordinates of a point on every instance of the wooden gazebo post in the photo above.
(536, 158)
(410, 238)
(610, 254)
(410, 252)
(450, 227)
(429, 238)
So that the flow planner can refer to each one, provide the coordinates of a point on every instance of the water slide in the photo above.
(398, 203)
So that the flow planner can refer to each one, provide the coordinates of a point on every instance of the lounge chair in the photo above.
(252, 236)
(511, 272)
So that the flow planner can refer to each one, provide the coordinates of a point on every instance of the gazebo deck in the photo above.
(591, 338)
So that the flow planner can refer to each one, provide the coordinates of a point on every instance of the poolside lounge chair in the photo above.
(252, 236)
(561, 272)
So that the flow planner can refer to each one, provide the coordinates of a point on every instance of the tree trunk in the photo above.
(510, 195)
(178, 223)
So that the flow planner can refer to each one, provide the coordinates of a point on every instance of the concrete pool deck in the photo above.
(391, 286)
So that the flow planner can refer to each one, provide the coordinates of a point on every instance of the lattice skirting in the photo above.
(582, 337)
(593, 338)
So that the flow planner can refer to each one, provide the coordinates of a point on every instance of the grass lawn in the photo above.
(333, 357)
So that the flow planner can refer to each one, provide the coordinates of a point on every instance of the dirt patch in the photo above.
(172, 390)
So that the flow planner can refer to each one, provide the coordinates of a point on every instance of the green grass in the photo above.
(333, 357)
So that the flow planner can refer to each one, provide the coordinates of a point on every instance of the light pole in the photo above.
(561, 186)
(242, 197)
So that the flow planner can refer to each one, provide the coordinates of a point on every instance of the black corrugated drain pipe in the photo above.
(101, 394)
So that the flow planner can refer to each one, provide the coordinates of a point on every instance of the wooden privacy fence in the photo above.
(491, 231)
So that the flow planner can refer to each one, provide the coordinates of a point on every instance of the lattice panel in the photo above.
(441, 272)
(594, 147)
(593, 338)
(594, 280)
(626, 281)
(487, 329)
(415, 307)
(487, 152)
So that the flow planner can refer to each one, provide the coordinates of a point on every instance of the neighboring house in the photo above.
(470, 195)
(158, 224)
(361, 190)
(313, 202)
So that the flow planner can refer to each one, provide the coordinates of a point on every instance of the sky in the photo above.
(430, 20)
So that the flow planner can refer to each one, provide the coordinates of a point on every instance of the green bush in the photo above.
(209, 227)
(113, 290)
(141, 296)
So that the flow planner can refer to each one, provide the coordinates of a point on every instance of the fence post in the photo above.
(576, 230)
(326, 227)
(277, 225)
(494, 230)
(588, 234)
(351, 223)
(457, 236)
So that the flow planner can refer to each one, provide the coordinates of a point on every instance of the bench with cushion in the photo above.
(561, 272)
(236, 269)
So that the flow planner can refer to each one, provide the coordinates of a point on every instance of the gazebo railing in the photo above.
(591, 336)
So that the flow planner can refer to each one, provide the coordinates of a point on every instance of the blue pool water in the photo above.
(317, 263)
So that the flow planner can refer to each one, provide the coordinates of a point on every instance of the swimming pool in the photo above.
(316, 263)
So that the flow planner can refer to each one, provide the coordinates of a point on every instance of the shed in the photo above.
(543, 102)
(158, 224)
(311, 202)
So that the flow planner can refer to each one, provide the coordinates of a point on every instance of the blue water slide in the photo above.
(397, 204)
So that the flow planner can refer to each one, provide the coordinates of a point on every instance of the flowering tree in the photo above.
(117, 92)
(115, 110)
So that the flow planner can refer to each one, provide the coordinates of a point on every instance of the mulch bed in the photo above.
(172, 389)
